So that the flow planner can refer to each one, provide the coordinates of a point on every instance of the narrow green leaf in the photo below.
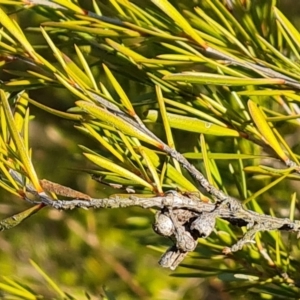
(177, 17)
(16, 32)
(51, 283)
(88, 29)
(115, 121)
(264, 128)
(96, 8)
(9, 177)
(9, 189)
(24, 156)
(103, 141)
(292, 31)
(230, 36)
(23, 291)
(180, 58)
(206, 159)
(159, 34)
(183, 183)
(55, 50)
(29, 82)
(224, 156)
(290, 153)
(3, 128)
(278, 54)
(71, 6)
(16, 219)
(264, 170)
(167, 128)
(134, 151)
(125, 50)
(76, 73)
(215, 79)
(266, 188)
(86, 68)
(195, 111)
(16, 291)
(152, 169)
(61, 114)
(123, 97)
(193, 124)
(106, 164)
(289, 41)
(20, 108)
(71, 88)
(293, 206)
(225, 276)
(278, 256)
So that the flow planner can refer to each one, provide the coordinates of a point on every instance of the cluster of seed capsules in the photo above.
(183, 227)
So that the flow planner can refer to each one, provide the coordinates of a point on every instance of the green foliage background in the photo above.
(114, 253)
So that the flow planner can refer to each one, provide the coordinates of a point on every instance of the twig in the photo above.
(185, 219)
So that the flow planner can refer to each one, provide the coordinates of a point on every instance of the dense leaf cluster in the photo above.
(142, 82)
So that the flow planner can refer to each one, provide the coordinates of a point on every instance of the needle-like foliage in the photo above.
(193, 101)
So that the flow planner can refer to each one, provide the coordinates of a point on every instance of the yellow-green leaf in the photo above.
(183, 183)
(71, 6)
(108, 165)
(20, 146)
(16, 219)
(265, 130)
(117, 122)
(216, 79)
(12, 290)
(167, 127)
(15, 31)
(151, 168)
(194, 125)
(177, 17)
(51, 283)
(292, 31)
(265, 188)
(123, 97)
(103, 141)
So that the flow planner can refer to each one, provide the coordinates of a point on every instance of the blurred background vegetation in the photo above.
(108, 253)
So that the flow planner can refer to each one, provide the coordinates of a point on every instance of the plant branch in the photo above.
(183, 219)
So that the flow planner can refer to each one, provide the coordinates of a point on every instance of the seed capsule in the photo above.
(204, 224)
(163, 224)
